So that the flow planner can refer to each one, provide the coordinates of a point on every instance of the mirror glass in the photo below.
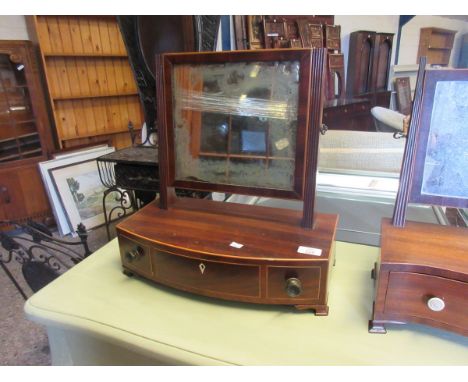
(445, 170)
(235, 123)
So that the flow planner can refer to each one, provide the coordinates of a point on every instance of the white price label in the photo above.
(236, 245)
(309, 251)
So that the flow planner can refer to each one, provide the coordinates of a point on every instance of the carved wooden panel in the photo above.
(332, 37)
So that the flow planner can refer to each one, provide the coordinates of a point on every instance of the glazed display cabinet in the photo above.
(25, 136)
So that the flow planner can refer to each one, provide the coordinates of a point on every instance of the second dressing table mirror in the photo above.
(422, 272)
(244, 122)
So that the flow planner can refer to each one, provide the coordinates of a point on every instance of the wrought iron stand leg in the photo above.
(106, 218)
(10, 276)
(122, 209)
(133, 200)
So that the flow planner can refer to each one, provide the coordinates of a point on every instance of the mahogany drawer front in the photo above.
(309, 278)
(335, 112)
(197, 275)
(135, 256)
(347, 111)
(409, 293)
(363, 107)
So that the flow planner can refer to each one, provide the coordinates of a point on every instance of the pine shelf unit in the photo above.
(92, 90)
(436, 44)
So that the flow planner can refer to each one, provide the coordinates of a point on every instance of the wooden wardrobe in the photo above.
(369, 66)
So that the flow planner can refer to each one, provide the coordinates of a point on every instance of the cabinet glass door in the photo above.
(19, 138)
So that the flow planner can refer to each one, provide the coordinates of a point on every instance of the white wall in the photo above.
(410, 37)
(13, 28)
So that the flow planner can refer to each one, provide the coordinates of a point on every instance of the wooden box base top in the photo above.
(422, 277)
(232, 251)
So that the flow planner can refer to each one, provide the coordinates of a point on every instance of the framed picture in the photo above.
(440, 174)
(80, 191)
(64, 223)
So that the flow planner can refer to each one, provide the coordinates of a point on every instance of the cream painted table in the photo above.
(96, 315)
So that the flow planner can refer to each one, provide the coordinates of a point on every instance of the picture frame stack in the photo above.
(74, 188)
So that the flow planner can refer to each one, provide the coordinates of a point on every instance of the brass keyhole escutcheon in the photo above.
(202, 268)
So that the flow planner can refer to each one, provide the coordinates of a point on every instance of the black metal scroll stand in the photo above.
(42, 256)
(127, 201)
(130, 176)
(126, 198)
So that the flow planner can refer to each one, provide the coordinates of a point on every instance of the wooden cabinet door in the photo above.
(22, 193)
(360, 59)
(381, 60)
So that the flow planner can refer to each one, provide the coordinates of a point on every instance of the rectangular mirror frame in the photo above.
(304, 57)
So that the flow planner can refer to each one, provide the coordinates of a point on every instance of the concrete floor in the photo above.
(23, 342)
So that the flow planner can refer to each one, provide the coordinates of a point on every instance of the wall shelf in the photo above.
(70, 98)
(92, 88)
(66, 54)
(436, 44)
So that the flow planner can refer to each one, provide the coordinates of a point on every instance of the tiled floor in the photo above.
(23, 342)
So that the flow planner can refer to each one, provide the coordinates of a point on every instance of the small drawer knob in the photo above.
(133, 254)
(436, 304)
(293, 287)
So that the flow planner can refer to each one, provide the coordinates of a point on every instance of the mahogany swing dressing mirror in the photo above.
(244, 122)
(435, 164)
(422, 271)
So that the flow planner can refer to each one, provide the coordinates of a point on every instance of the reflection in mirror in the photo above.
(235, 123)
(360, 153)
